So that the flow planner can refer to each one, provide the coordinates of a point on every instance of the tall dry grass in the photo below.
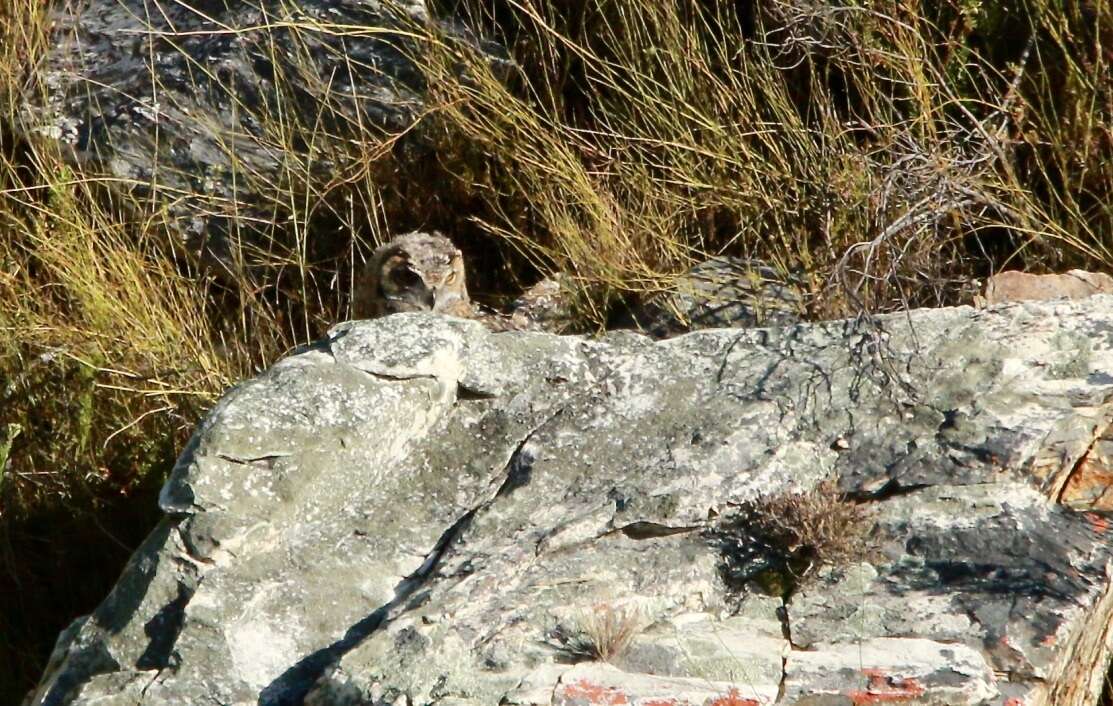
(893, 151)
(111, 347)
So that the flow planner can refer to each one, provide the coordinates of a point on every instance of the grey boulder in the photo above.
(418, 511)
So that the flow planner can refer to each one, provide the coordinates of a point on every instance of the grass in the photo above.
(777, 542)
(601, 633)
(106, 363)
(110, 350)
(888, 153)
(876, 150)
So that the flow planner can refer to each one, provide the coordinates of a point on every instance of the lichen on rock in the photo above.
(405, 512)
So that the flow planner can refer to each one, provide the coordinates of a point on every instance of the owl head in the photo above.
(413, 272)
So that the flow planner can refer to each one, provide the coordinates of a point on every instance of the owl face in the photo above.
(414, 272)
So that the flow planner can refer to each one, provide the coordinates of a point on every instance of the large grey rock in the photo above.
(224, 113)
(1016, 286)
(722, 292)
(418, 511)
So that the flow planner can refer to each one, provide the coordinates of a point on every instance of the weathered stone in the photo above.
(1016, 286)
(900, 669)
(1090, 483)
(221, 113)
(721, 292)
(419, 511)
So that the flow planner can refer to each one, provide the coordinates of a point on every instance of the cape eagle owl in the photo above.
(413, 272)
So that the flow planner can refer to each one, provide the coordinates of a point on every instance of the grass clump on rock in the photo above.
(601, 633)
(779, 541)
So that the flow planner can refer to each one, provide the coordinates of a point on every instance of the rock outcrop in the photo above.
(722, 292)
(1016, 286)
(222, 113)
(418, 511)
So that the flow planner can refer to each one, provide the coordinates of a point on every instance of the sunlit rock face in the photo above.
(418, 511)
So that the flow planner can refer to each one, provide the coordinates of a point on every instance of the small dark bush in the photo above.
(777, 542)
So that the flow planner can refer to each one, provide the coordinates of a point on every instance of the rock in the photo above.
(722, 292)
(418, 511)
(543, 307)
(1015, 286)
(215, 110)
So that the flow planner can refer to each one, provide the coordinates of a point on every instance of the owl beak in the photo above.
(443, 300)
(451, 303)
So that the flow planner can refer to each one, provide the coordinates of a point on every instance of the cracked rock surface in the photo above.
(418, 511)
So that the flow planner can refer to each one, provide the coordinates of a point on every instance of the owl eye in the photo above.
(450, 278)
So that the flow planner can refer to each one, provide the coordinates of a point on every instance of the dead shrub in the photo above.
(777, 542)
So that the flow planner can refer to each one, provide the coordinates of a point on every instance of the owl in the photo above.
(425, 272)
(413, 272)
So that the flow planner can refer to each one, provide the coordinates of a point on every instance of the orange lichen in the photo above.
(594, 694)
(1090, 481)
(882, 689)
(1098, 523)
